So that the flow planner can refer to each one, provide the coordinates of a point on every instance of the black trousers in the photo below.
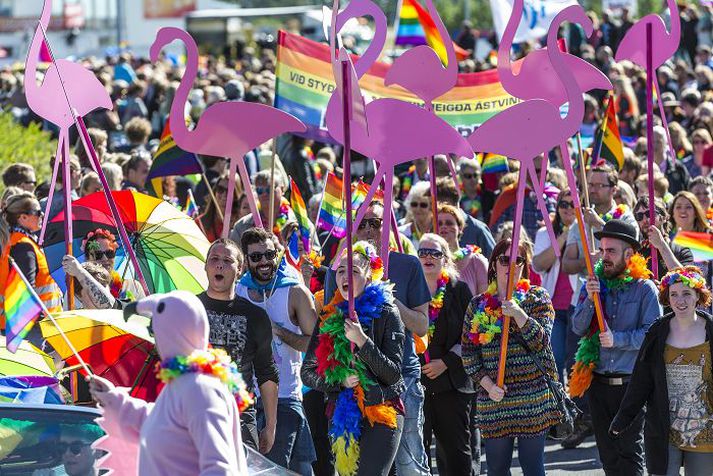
(248, 428)
(624, 455)
(377, 447)
(315, 404)
(447, 415)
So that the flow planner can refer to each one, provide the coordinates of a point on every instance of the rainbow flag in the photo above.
(700, 244)
(191, 206)
(22, 306)
(609, 145)
(305, 83)
(416, 27)
(300, 210)
(493, 163)
(170, 159)
(331, 213)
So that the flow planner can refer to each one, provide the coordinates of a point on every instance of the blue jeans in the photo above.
(411, 456)
(293, 448)
(530, 453)
(558, 340)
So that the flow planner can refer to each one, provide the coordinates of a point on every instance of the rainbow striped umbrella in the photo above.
(28, 360)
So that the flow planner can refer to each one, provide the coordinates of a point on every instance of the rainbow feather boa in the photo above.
(336, 361)
(465, 251)
(214, 362)
(434, 307)
(587, 356)
(488, 316)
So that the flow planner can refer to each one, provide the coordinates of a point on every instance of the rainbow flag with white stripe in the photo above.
(22, 306)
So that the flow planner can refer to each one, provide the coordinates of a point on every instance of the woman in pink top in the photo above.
(472, 265)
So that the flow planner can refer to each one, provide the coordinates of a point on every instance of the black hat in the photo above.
(620, 230)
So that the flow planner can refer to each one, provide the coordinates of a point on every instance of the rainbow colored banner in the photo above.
(305, 83)
(701, 244)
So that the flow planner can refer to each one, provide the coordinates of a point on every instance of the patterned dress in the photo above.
(528, 408)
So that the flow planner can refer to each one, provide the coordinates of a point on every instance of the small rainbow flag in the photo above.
(331, 213)
(191, 206)
(700, 244)
(416, 27)
(300, 210)
(609, 145)
(22, 306)
(170, 159)
(493, 163)
(292, 253)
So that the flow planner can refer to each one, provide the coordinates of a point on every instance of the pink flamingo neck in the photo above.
(504, 64)
(675, 33)
(452, 66)
(365, 8)
(180, 131)
(32, 91)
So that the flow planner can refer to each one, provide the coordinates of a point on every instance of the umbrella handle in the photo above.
(63, 372)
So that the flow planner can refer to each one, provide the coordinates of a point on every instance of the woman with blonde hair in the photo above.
(700, 139)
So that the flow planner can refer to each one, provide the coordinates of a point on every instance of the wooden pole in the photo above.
(271, 213)
(212, 195)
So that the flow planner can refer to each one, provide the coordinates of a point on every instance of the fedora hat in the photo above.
(620, 230)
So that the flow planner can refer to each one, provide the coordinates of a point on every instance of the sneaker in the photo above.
(582, 430)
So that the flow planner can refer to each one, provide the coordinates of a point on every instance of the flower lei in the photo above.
(488, 315)
(618, 212)
(587, 356)
(115, 285)
(466, 251)
(213, 362)
(336, 361)
(691, 279)
(436, 304)
(282, 217)
(313, 258)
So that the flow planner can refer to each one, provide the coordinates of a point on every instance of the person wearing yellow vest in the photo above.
(20, 220)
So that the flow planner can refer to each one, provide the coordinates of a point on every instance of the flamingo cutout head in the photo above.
(663, 43)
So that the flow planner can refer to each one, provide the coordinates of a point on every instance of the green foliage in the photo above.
(30, 145)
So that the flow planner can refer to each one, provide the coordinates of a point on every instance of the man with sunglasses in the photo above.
(670, 255)
(75, 451)
(271, 285)
(20, 175)
(412, 299)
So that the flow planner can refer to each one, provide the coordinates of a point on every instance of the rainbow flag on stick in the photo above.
(300, 210)
(22, 306)
(332, 215)
(170, 159)
(191, 206)
(608, 143)
(416, 27)
(701, 244)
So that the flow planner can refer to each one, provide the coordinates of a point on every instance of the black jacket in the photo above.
(382, 355)
(448, 333)
(648, 386)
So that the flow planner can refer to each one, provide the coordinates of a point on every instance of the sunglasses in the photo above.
(566, 205)
(262, 190)
(373, 223)
(469, 176)
(99, 255)
(36, 213)
(424, 252)
(74, 447)
(423, 205)
(504, 260)
(641, 215)
(257, 256)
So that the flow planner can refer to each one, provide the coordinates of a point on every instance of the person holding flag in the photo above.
(20, 220)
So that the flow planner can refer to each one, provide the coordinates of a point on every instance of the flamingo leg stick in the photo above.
(229, 198)
(598, 310)
(543, 170)
(48, 206)
(664, 121)
(394, 223)
(212, 195)
(386, 228)
(347, 166)
(68, 217)
(271, 219)
(650, 140)
(530, 170)
(434, 195)
(585, 187)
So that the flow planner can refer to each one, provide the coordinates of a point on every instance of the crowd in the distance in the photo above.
(417, 363)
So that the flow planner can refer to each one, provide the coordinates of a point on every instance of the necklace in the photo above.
(615, 214)
(487, 317)
(282, 217)
(465, 251)
(213, 362)
(436, 304)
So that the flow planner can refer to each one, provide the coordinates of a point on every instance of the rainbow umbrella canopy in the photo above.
(169, 246)
(28, 360)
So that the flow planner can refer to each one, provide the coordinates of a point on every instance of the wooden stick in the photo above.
(212, 195)
(68, 217)
(271, 213)
(585, 187)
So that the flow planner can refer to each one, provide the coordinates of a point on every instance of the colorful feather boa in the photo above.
(587, 356)
(336, 361)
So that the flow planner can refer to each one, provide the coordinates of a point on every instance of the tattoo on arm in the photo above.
(100, 296)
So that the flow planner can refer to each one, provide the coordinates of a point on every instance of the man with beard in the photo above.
(244, 331)
(412, 299)
(670, 255)
(630, 305)
(270, 285)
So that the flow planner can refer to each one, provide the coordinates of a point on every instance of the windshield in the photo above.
(51, 441)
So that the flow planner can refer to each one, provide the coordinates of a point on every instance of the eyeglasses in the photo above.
(566, 205)
(74, 447)
(262, 190)
(99, 255)
(257, 256)
(423, 252)
(423, 205)
(504, 260)
(599, 186)
(639, 216)
(373, 223)
(469, 176)
(36, 213)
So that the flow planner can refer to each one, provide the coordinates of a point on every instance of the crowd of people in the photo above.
(417, 363)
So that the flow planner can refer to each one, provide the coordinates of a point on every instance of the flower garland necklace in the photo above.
(465, 251)
(213, 362)
(282, 216)
(616, 214)
(436, 304)
(336, 361)
(587, 356)
(487, 317)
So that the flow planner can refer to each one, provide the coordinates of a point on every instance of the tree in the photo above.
(30, 145)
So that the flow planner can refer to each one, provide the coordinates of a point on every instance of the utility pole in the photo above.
(119, 22)
(466, 9)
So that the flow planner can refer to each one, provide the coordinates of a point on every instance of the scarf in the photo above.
(24, 231)
(587, 356)
(282, 279)
(336, 361)
(487, 317)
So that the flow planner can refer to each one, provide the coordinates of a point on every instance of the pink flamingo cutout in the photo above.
(538, 123)
(83, 91)
(397, 131)
(226, 129)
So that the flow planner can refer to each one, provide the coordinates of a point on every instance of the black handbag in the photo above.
(569, 410)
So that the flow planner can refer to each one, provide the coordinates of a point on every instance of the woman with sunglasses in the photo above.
(20, 220)
(469, 260)
(449, 391)
(523, 407)
(701, 140)
(210, 221)
(558, 284)
(419, 217)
